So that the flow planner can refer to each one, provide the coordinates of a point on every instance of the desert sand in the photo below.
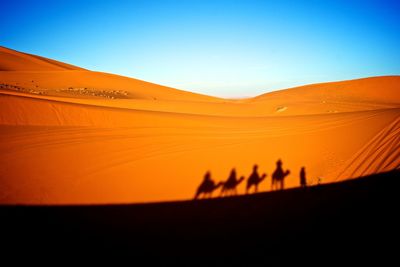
(73, 136)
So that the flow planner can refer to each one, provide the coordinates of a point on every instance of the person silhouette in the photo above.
(230, 182)
(232, 177)
(278, 176)
(254, 179)
(303, 179)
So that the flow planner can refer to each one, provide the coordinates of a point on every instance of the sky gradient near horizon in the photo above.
(222, 48)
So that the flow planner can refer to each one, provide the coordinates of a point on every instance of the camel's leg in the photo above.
(249, 188)
(199, 195)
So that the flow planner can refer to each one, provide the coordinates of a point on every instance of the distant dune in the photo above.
(70, 135)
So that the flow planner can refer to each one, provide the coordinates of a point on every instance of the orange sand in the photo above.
(70, 135)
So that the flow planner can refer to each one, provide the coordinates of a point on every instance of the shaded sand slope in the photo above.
(125, 140)
(341, 222)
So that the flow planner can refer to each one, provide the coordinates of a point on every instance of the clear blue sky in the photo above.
(223, 48)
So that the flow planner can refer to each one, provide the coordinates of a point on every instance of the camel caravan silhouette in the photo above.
(229, 187)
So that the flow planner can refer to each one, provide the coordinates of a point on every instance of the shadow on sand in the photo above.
(356, 219)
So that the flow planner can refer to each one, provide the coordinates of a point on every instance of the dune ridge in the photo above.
(12, 60)
(73, 136)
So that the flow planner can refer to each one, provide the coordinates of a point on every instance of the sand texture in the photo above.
(70, 135)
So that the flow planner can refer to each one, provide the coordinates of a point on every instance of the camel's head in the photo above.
(263, 175)
(287, 172)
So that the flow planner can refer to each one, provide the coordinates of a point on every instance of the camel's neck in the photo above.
(219, 184)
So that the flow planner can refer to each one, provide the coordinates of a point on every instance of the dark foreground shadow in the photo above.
(344, 223)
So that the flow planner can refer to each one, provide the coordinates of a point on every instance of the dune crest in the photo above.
(12, 60)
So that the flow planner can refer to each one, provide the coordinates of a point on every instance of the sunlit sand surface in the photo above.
(69, 135)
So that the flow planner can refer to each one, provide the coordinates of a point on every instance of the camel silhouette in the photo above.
(278, 176)
(229, 186)
(254, 180)
(207, 187)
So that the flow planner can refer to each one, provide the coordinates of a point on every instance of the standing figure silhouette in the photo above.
(278, 177)
(303, 179)
(207, 187)
(254, 179)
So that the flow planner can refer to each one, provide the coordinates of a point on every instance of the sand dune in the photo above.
(70, 135)
(12, 60)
